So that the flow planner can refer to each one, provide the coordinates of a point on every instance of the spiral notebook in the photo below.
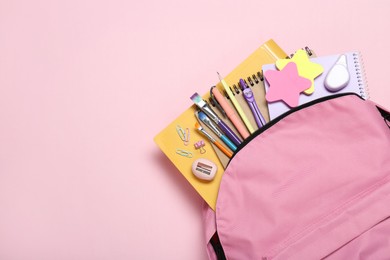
(170, 141)
(356, 84)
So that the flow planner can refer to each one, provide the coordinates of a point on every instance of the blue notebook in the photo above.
(357, 82)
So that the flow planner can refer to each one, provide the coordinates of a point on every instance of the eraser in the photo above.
(204, 169)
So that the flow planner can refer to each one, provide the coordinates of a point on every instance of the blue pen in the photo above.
(202, 117)
(250, 99)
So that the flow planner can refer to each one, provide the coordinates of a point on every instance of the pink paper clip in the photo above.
(200, 145)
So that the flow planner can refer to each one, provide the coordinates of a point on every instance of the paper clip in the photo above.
(183, 134)
(200, 145)
(184, 153)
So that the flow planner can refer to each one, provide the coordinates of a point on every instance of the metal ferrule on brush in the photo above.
(210, 113)
(202, 105)
(207, 134)
(211, 125)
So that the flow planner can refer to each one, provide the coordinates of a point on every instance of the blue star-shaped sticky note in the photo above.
(286, 85)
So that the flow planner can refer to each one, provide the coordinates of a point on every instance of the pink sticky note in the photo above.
(286, 85)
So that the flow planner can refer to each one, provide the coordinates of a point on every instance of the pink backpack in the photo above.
(311, 184)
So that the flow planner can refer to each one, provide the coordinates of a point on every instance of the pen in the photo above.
(236, 105)
(212, 140)
(197, 99)
(202, 117)
(230, 112)
(250, 99)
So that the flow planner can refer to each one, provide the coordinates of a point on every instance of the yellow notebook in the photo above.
(170, 141)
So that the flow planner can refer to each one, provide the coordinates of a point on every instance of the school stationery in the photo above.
(250, 99)
(229, 112)
(204, 169)
(284, 194)
(202, 105)
(306, 68)
(199, 145)
(286, 85)
(356, 82)
(184, 134)
(168, 140)
(338, 76)
(233, 99)
(213, 140)
(207, 121)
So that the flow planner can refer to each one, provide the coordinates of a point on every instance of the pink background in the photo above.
(86, 85)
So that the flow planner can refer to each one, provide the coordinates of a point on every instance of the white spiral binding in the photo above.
(361, 75)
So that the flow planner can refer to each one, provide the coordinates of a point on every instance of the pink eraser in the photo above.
(204, 169)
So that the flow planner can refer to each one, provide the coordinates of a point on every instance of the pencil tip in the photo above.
(219, 76)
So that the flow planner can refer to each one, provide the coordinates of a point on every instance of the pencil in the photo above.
(236, 105)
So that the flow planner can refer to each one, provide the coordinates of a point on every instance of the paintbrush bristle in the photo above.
(201, 115)
(197, 99)
(198, 126)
